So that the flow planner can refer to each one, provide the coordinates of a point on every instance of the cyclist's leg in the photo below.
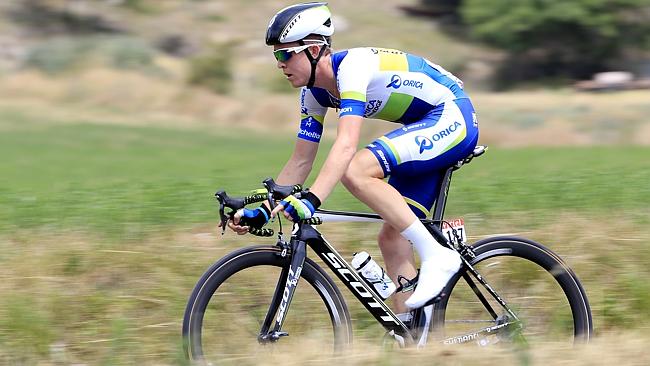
(388, 202)
(412, 159)
(398, 260)
(364, 179)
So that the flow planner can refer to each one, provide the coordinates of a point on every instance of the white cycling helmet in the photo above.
(296, 22)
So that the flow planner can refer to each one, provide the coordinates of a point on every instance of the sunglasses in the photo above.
(284, 54)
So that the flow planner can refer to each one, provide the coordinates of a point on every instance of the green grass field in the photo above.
(105, 228)
(114, 180)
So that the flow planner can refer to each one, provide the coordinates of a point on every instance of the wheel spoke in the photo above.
(535, 287)
(228, 326)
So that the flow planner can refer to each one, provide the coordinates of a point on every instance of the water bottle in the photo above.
(373, 274)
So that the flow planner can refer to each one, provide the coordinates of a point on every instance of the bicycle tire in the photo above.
(263, 260)
(535, 260)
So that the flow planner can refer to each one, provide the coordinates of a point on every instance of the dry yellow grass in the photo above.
(620, 349)
(513, 119)
(565, 117)
(85, 286)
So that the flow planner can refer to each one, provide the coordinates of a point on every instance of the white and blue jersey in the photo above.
(440, 125)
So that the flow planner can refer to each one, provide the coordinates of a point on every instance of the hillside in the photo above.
(132, 64)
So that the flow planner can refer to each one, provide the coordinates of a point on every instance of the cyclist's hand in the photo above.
(245, 218)
(298, 209)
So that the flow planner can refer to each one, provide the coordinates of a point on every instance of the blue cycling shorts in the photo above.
(415, 157)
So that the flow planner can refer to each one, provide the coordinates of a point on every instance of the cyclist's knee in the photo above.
(362, 167)
(348, 180)
(353, 177)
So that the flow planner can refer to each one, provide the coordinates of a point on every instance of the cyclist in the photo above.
(438, 127)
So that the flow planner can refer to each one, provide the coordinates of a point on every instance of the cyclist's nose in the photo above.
(281, 65)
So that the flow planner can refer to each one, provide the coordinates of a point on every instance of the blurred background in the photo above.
(120, 118)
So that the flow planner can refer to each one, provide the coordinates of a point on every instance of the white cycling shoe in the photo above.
(434, 275)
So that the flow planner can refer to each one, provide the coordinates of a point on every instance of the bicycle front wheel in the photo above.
(541, 290)
(225, 312)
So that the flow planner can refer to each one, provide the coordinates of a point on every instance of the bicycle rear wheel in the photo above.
(226, 310)
(537, 285)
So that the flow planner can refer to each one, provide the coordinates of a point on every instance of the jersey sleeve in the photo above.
(353, 77)
(312, 116)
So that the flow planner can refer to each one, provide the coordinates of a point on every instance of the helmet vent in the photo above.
(290, 25)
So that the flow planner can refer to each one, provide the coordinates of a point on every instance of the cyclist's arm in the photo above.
(339, 157)
(354, 74)
(299, 165)
(295, 171)
(312, 116)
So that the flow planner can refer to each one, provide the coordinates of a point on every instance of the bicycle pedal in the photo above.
(391, 335)
(406, 285)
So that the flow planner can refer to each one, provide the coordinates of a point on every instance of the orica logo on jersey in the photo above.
(396, 82)
(424, 143)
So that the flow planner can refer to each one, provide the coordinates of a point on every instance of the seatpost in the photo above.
(441, 201)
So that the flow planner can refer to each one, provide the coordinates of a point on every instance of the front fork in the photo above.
(283, 294)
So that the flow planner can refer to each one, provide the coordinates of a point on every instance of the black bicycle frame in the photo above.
(434, 228)
(306, 235)
(355, 283)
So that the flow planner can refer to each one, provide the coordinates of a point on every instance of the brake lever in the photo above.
(278, 192)
(273, 192)
(222, 197)
(222, 214)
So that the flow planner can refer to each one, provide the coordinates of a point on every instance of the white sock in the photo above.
(437, 264)
(423, 243)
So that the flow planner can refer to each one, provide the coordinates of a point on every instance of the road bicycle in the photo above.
(508, 290)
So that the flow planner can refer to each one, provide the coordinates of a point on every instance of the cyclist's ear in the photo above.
(315, 50)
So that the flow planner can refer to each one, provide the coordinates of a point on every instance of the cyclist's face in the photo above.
(296, 68)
